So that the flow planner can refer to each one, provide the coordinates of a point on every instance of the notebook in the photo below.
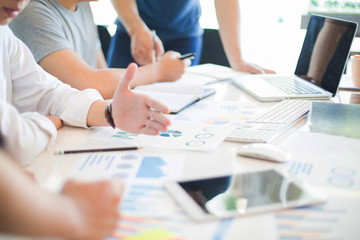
(176, 95)
(319, 68)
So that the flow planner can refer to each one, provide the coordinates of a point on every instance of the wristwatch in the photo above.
(108, 115)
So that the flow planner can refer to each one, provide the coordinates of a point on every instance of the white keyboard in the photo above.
(266, 126)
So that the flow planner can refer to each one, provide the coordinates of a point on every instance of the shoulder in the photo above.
(6, 35)
(37, 6)
(37, 11)
(37, 14)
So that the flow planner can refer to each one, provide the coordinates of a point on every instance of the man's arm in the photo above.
(71, 69)
(142, 48)
(228, 16)
(100, 59)
(82, 211)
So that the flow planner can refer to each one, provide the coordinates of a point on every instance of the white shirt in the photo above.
(27, 93)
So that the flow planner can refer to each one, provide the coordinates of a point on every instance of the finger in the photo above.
(155, 125)
(149, 131)
(117, 189)
(139, 59)
(129, 75)
(173, 54)
(158, 117)
(137, 54)
(159, 47)
(151, 103)
(267, 71)
(187, 62)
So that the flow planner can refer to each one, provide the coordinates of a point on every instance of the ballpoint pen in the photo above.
(187, 55)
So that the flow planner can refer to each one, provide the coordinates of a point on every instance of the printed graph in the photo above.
(171, 133)
(151, 167)
(317, 222)
(139, 228)
(216, 121)
(300, 168)
(332, 175)
(129, 166)
(124, 135)
(229, 108)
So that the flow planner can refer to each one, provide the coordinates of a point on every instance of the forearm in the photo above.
(228, 16)
(100, 59)
(129, 15)
(146, 75)
(96, 114)
(25, 209)
(67, 66)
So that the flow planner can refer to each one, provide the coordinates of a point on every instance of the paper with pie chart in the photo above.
(180, 135)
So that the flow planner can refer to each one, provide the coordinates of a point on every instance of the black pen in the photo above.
(60, 152)
(187, 55)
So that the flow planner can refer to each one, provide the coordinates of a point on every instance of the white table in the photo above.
(50, 170)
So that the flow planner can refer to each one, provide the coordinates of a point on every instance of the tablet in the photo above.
(241, 194)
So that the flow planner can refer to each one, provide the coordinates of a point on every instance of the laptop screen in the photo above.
(325, 51)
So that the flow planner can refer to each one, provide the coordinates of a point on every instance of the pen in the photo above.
(154, 43)
(187, 55)
(60, 152)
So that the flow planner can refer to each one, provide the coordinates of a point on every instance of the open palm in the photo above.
(136, 113)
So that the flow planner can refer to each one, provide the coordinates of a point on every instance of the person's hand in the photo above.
(93, 208)
(171, 68)
(142, 46)
(251, 68)
(56, 121)
(136, 113)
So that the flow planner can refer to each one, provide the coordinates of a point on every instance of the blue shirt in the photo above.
(170, 19)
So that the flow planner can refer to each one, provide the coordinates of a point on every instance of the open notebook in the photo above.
(176, 95)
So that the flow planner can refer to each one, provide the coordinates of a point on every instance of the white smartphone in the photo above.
(241, 194)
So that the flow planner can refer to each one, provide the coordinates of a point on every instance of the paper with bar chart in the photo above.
(337, 219)
(147, 210)
(142, 174)
(326, 160)
(128, 166)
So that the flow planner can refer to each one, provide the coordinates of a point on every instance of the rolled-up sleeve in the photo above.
(28, 94)
(36, 90)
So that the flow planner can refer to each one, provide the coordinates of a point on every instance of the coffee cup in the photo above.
(355, 70)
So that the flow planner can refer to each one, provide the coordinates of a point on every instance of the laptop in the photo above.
(319, 68)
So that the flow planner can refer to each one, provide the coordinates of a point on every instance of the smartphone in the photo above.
(187, 55)
(241, 194)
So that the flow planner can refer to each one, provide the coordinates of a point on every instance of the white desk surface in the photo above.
(51, 169)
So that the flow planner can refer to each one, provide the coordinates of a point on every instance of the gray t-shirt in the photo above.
(45, 26)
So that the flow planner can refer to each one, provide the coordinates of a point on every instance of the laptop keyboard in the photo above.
(290, 85)
(272, 123)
